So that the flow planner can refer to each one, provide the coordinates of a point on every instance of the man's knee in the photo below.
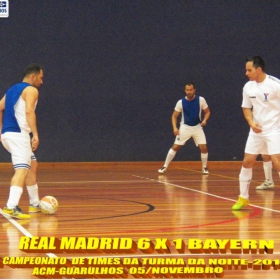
(176, 147)
(203, 148)
(249, 160)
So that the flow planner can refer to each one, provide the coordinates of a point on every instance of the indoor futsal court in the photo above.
(130, 199)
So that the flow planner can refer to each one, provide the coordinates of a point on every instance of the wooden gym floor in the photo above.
(131, 200)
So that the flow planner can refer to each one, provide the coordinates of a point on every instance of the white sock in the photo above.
(267, 168)
(245, 178)
(33, 194)
(14, 196)
(170, 155)
(204, 158)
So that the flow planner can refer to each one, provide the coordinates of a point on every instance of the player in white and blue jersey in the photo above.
(191, 126)
(261, 109)
(17, 121)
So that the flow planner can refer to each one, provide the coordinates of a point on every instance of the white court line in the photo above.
(201, 192)
(22, 230)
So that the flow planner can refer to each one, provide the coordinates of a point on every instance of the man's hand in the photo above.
(34, 143)
(176, 131)
(257, 128)
(203, 123)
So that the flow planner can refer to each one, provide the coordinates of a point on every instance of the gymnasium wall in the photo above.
(114, 70)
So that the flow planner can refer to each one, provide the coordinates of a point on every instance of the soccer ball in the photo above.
(48, 205)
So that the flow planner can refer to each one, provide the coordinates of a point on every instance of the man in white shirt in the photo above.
(261, 108)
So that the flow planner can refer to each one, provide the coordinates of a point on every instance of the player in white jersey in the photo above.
(17, 120)
(261, 109)
(191, 125)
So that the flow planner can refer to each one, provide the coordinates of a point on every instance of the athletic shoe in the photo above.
(242, 202)
(16, 213)
(266, 185)
(34, 209)
(162, 170)
(205, 171)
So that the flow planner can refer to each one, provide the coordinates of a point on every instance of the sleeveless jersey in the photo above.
(14, 119)
(191, 111)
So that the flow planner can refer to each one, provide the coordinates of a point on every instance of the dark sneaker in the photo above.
(162, 170)
(205, 171)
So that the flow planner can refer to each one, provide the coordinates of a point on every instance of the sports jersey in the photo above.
(264, 99)
(191, 110)
(14, 119)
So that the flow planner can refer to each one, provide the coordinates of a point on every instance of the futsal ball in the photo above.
(48, 205)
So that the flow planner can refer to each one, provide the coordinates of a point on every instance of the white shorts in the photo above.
(263, 144)
(19, 146)
(186, 132)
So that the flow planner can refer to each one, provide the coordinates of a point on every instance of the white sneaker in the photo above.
(162, 170)
(266, 185)
(205, 171)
